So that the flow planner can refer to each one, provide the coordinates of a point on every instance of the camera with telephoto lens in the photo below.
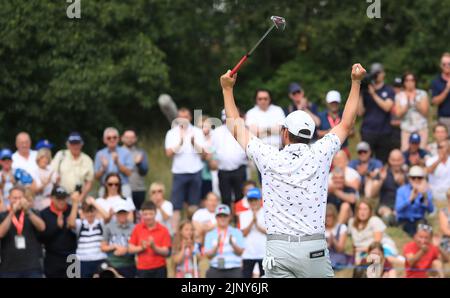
(369, 79)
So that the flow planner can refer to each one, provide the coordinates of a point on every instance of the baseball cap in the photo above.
(254, 193)
(223, 209)
(416, 171)
(43, 143)
(60, 192)
(5, 154)
(376, 68)
(294, 87)
(362, 146)
(75, 138)
(397, 82)
(121, 206)
(297, 121)
(333, 96)
(414, 138)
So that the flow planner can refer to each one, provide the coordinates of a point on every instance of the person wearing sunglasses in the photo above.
(422, 257)
(413, 201)
(440, 91)
(365, 164)
(164, 208)
(113, 159)
(300, 102)
(438, 168)
(412, 106)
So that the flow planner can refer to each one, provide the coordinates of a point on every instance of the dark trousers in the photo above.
(247, 270)
(206, 188)
(380, 144)
(89, 268)
(34, 273)
(230, 182)
(153, 273)
(127, 272)
(55, 266)
(186, 187)
(224, 273)
(410, 227)
(138, 198)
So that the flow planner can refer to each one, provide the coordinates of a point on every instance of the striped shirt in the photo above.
(90, 237)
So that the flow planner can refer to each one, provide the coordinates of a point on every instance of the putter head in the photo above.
(279, 22)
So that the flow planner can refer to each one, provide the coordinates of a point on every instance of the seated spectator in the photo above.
(414, 155)
(341, 196)
(164, 208)
(331, 117)
(113, 195)
(422, 257)
(444, 224)
(7, 180)
(224, 246)
(204, 219)
(385, 184)
(75, 169)
(413, 201)
(113, 159)
(20, 226)
(253, 228)
(412, 106)
(352, 178)
(186, 252)
(115, 241)
(59, 240)
(440, 134)
(336, 235)
(48, 178)
(382, 268)
(151, 242)
(438, 169)
(242, 205)
(366, 228)
(365, 165)
(89, 231)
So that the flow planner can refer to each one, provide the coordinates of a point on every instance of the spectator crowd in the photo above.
(211, 223)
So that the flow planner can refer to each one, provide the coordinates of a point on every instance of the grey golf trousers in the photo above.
(297, 259)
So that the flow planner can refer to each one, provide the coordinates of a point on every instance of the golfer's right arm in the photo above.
(342, 130)
(234, 123)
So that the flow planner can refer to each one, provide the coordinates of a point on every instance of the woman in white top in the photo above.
(366, 228)
(164, 211)
(112, 196)
(47, 177)
(411, 105)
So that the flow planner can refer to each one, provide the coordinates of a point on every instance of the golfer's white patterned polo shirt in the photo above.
(294, 184)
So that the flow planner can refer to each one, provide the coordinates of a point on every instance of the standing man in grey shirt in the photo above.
(140, 168)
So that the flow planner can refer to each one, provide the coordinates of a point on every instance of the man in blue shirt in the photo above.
(378, 101)
(114, 158)
(413, 201)
(415, 156)
(224, 247)
(440, 91)
(365, 165)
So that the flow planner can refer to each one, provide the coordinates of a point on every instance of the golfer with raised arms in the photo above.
(295, 183)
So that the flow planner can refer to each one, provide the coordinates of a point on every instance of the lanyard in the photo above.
(19, 223)
(333, 123)
(222, 241)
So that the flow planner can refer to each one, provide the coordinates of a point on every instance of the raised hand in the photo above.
(358, 72)
(227, 81)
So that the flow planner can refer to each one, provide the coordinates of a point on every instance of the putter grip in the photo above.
(236, 68)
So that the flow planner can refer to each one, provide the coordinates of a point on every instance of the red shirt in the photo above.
(148, 259)
(423, 264)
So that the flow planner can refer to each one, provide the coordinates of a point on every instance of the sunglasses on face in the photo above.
(416, 178)
(113, 184)
(296, 92)
(112, 138)
(362, 152)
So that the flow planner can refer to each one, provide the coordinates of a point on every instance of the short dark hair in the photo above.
(148, 205)
(299, 140)
(85, 207)
(406, 74)
(263, 90)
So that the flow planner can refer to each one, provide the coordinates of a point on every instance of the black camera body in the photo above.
(368, 79)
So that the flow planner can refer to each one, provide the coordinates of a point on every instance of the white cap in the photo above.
(333, 96)
(298, 120)
(121, 206)
(416, 171)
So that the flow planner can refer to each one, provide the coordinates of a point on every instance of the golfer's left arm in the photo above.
(343, 129)
(234, 122)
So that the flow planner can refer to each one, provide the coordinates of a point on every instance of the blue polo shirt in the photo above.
(437, 86)
(376, 120)
(373, 164)
(411, 211)
(422, 153)
(125, 158)
(231, 259)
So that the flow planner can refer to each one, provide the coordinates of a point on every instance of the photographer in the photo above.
(377, 103)
(413, 201)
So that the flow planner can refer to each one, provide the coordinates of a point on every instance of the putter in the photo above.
(279, 23)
